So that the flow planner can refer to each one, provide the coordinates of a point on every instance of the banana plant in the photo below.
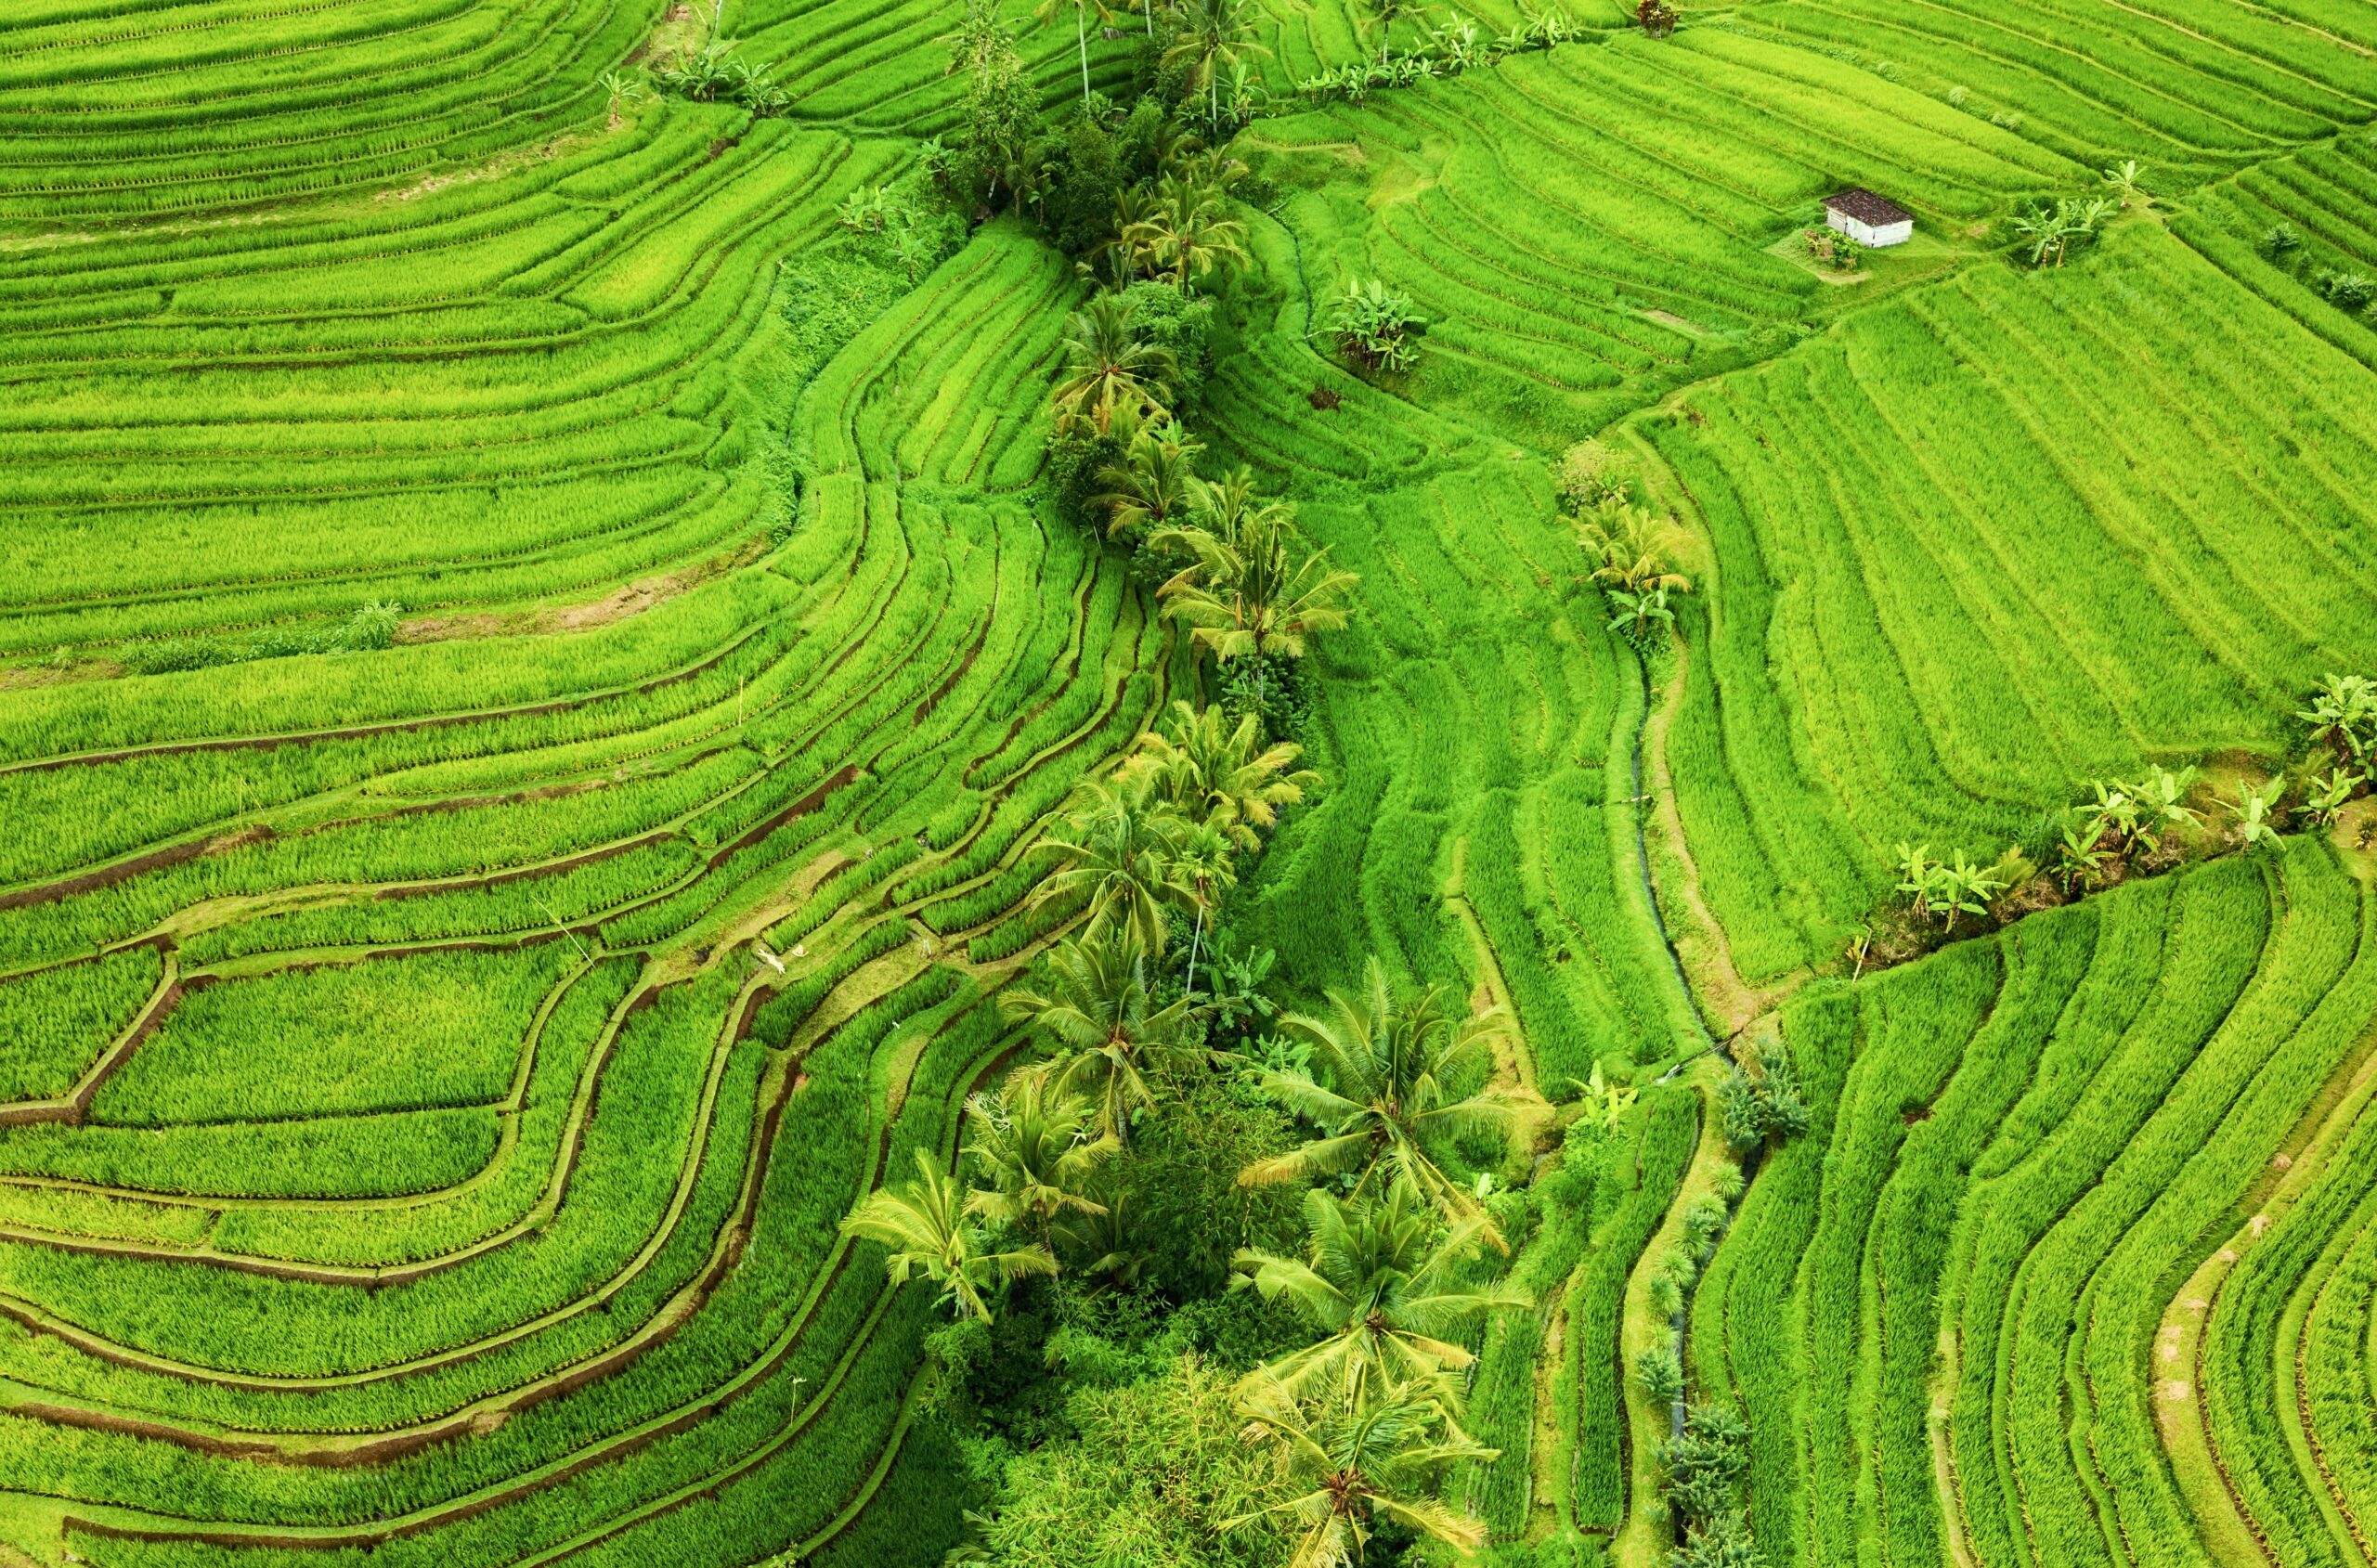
(2160, 797)
(1641, 614)
(2252, 810)
(1965, 889)
(1605, 1102)
(2124, 178)
(2325, 798)
(2079, 856)
(2344, 714)
(1917, 875)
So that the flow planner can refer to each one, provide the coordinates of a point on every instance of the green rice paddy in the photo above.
(528, 691)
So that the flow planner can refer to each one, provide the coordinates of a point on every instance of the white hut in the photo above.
(1868, 219)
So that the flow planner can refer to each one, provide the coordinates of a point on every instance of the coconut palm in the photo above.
(1108, 1237)
(1050, 10)
(927, 1225)
(1219, 34)
(1389, 1058)
(1033, 1144)
(1098, 1008)
(1202, 868)
(1248, 588)
(1356, 1465)
(1109, 368)
(1216, 772)
(1386, 13)
(1117, 847)
(1631, 548)
(1155, 480)
(1124, 258)
(1188, 231)
(1377, 1281)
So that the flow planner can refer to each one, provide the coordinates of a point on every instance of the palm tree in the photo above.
(1356, 1465)
(2124, 178)
(1244, 591)
(1377, 1280)
(1189, 230)
(1219, 34)
(1099, 1009)
(1051, 9)
(1108, 1237)
(1117, 847)
(1389, 1058)
(1629, 546)
(1216, 772)
(1202, 868)
(1131, 209)
(927, 1225)
(1109, 368)
(1386, 13)
(1032, 1143)
(1155, 480)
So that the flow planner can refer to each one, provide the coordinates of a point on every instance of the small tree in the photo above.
(2124, 178)
(1657, 18)
(618, 92)
(1589, 478)
(2050, 232)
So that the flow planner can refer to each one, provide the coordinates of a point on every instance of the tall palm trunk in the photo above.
(1081, 29)
(1191, 988)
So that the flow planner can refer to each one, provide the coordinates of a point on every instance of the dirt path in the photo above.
(1729, 1000)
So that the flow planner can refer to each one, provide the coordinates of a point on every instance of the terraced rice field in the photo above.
(436, 1064)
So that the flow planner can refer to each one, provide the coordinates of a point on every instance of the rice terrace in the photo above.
(1189, 783)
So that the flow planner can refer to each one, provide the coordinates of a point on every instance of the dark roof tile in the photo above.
(1866, 207)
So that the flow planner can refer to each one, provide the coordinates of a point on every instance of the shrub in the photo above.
(1377, 327)
(1178, 323)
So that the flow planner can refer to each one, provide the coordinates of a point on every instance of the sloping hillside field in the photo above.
(1195, 784)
